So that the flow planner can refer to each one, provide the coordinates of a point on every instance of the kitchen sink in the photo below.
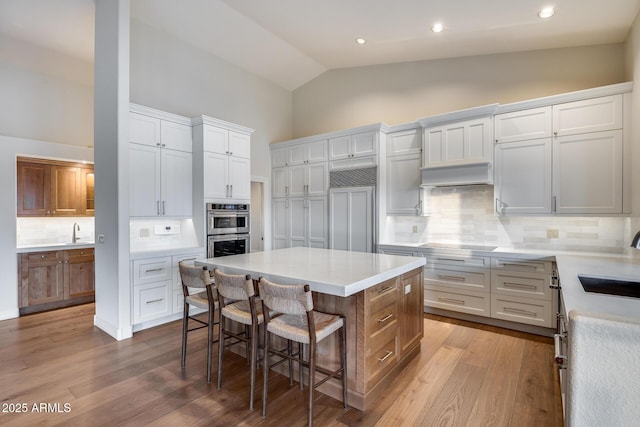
(603, 285)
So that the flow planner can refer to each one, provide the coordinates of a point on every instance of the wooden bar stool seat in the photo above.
(299, 322)
(196, 277)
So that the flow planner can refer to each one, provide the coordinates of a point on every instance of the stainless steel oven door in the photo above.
(225, 222)
(228, 244)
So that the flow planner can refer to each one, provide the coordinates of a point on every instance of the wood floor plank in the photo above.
(465, 374)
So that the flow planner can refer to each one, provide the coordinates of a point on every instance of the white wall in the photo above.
(400, 93)
(633, 73)
(10, 148)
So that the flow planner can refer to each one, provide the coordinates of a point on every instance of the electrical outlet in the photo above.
(552, 233)
(100, 238)
(415, 228)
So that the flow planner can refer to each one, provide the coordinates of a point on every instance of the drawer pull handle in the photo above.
(189, 259)
(451, 300)
(520, 311)
(451, 259)
(454, 278)
(512, 264)
(385, 289)
(154, 300)
(385, 318)
(519, 285)
(152, 270)
(385, 357)
(559, 358)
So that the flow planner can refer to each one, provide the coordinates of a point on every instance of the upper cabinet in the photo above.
(458, 147)
(566, 158)
(160, 164)
(310, 152)
(355, 150)
(54, 188)
(404, 158)
(226, 159)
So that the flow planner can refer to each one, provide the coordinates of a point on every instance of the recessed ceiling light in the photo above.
(360, 40)
(547, 12)
(437, 27)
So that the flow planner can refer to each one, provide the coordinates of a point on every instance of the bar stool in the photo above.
(237, 302)
(198, 277)
(299, 322)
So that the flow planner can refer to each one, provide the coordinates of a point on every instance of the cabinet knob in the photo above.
(157, 144)
(496, 139)
(42, 256)
(164, 145)
(555, 133)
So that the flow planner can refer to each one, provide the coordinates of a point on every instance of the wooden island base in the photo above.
(384, 329)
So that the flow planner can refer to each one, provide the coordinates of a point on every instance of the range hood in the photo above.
(457, 173)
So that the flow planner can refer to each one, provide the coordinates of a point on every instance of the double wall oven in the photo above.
(227, 229)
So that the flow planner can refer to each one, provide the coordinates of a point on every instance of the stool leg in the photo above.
(290, 353)
(185, 326)
(220, 350)
(343, 361)
(300, 365)
(312, 379)
(265, 382)
(247, 345)
(254, 361)
(209, 343)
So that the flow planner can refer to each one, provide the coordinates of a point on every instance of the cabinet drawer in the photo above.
(151, 301)
(378, 339)
(438, 259)
(527, 285)
(37, 258)
(478, 280)
(522, 310)
(177, 302)
(532, 266)
(477, 303)
(381, 295)
(151, 270)
(382, 318)
(381, 360)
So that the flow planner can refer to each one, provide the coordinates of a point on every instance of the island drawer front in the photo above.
(522, 310)
(382, 318)
(531, 266)
(469, 279)
(151, 270)
(380, 361)
(438, 259)
(381, 295)
(379, 338)
(526, 285)
(470, 302)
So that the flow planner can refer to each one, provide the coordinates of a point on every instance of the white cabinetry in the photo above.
(353, 151)
(351, 219)
(226, 159)
(404, 159)
(300, 221)
(160, 165)
(308, 180)
(309, 152)
(565, 158)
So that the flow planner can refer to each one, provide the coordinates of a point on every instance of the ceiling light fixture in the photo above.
(360, 40)
(547, 12)
(437, 27)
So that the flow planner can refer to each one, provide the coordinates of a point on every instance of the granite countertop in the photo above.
(334, 272)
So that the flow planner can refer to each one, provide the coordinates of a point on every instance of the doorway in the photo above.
(257, 217)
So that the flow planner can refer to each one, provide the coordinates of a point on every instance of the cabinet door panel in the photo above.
(280, 223)
(297, 221)
(318, 221)
(434, 142)
(215, 140)
(176, 183)
(215, 175)
(297, 180)
(297, 155)
(42, 278)
(280, 180)
(591, 115)
(239, 145)
(88, 181)
(454, 142)
(279, 157)
(340, 148)
(363, 144)
(79, 276)
(66, 191)
(588, 173)
(405, 142)
(175, 136)
(317, 151)
(34, 189)
(144, 130)
(239, 178)
(523, 177)
(479, 143)
(317, 179)
(403, 184)
(144, 180)
(523, 125)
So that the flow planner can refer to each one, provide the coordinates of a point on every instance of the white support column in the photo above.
(111, 106)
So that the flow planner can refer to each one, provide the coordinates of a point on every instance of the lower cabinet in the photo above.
(55, 279)
(157, 289)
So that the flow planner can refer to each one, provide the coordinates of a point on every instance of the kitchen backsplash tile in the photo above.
(466, 215)
(144, 237)
(45, 230)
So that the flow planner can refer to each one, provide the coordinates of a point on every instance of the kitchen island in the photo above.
(380, 295)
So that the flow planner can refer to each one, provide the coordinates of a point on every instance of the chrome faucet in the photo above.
(74, 239)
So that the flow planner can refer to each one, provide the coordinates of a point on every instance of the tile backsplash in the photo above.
(466, 214)
(46, 230)
(146, 234)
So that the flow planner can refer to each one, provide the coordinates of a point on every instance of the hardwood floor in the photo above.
(465, 375)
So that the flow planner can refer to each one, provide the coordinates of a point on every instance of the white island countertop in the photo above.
(329, 271)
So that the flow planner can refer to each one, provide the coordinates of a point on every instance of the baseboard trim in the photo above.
(118, 333)
(9, 314)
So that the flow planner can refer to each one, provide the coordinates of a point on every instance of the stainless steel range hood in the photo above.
(461, 173)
